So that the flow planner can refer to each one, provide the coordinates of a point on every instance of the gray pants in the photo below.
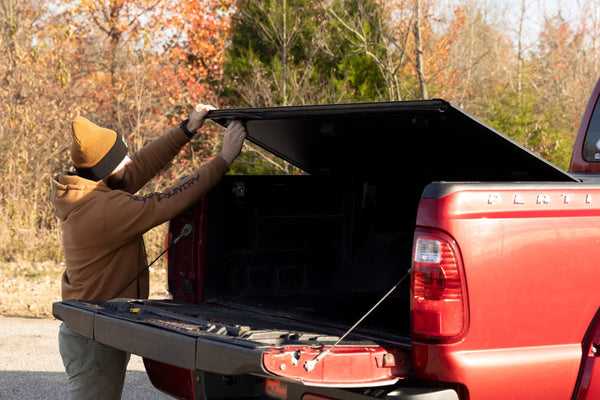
(95, 371)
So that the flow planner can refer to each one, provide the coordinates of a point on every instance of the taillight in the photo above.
(438, 300)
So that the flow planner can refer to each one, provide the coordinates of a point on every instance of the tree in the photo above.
(518, 115)
(276, 58)
(368, 33)
(199, 48)
(539, 108)
(110, 60)
(356, 50)
(30, 139)
(481, 59)
(399, 37)
(273, 52)
(420, 67)
(192, 70)
(112, 63)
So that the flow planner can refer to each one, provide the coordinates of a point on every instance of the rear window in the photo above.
(591, 147)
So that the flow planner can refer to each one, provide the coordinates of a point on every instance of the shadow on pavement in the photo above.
(36, 385)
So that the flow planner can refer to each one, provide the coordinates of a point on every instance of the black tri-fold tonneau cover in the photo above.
(431, 138)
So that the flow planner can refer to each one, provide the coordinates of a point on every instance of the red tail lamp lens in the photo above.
(438, 293)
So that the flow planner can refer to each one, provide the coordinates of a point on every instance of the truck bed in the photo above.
(336, 312)
(302, 248)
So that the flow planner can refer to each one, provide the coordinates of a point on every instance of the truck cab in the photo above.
(420, 254)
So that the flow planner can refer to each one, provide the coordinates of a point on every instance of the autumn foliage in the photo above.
(138, 66)
(134, 66)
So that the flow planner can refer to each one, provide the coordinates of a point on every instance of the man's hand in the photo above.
(197, 118)
(233, 139)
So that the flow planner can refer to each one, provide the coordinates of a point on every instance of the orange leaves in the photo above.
(444, 77)
(200, 50)
(133, 65)
(438, 32)
(134, 54)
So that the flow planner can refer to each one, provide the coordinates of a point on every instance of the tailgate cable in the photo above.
(186, 230)
(310, 364)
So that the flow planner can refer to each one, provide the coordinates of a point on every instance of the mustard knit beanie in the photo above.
(96, 151)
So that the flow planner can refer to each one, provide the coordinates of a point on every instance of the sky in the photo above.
(508, 13)
(537, 10)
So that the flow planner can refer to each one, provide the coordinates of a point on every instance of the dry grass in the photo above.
(29, 289)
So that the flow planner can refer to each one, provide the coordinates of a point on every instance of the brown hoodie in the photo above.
(102, 228)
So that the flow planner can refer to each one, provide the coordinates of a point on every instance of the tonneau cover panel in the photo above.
(430, 138)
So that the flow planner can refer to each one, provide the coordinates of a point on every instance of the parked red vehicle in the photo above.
(422, 255)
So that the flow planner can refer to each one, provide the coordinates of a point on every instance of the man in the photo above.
(103, 223)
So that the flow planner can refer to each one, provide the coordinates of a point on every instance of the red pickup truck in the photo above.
(422, 255)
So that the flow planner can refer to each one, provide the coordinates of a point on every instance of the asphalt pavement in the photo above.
(31, 367)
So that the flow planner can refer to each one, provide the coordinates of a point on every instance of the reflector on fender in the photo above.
(438, 300)
(276, 388)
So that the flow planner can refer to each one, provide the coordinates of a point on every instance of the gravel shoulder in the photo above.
(31, 367)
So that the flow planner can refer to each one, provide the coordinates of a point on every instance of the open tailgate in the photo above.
(186, 336)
